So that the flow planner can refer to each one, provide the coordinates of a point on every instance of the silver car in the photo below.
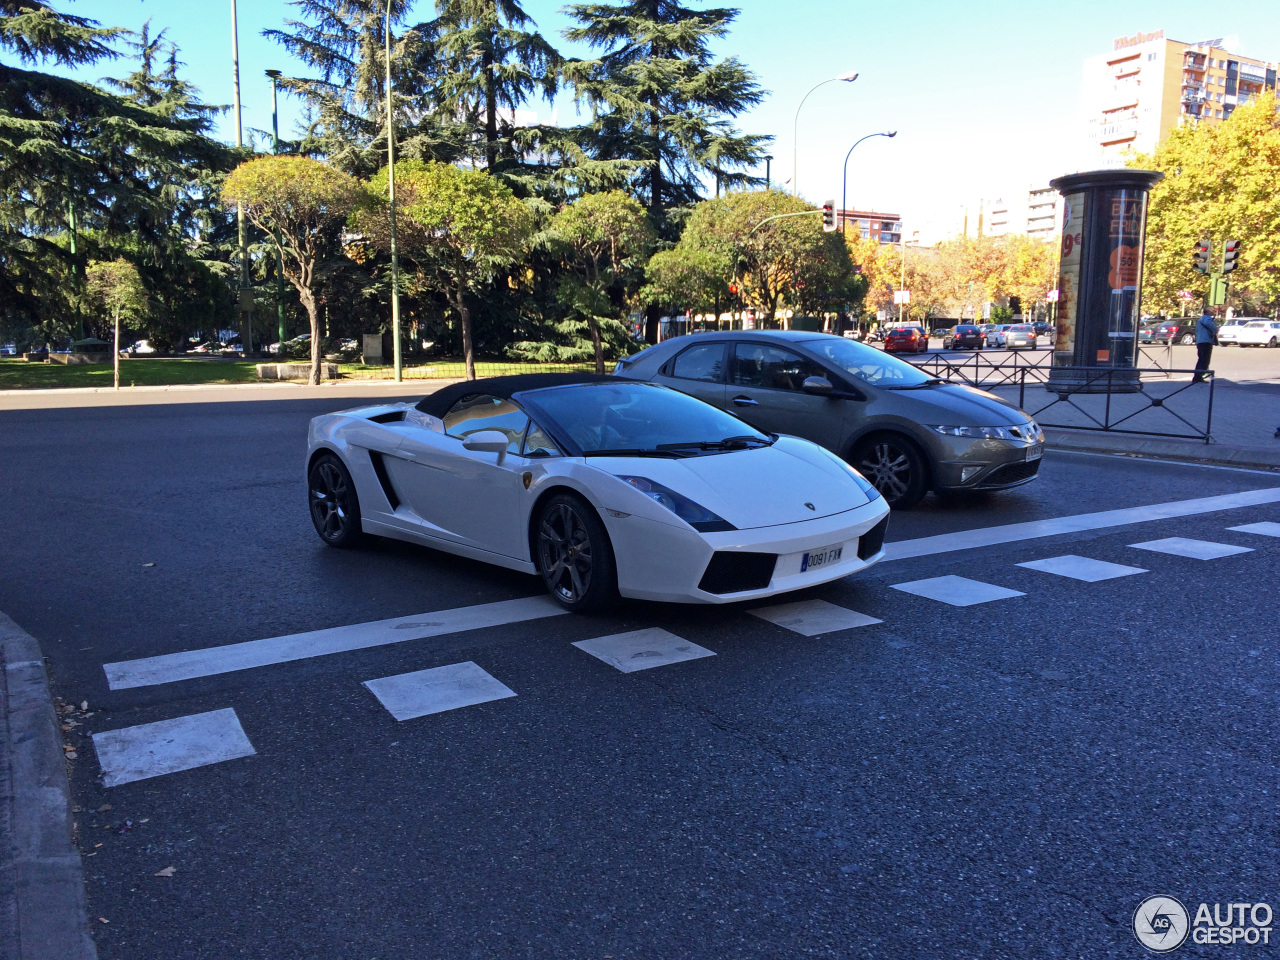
(905, 431)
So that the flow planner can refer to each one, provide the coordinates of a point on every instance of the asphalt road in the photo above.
(1008, 779)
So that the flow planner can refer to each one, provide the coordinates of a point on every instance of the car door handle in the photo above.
(745, 402)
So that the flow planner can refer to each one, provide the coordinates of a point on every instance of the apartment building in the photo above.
(1037, 213)
(1147, 85)
(885, 227)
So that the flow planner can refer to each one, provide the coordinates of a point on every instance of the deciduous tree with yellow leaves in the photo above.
(1220, 184)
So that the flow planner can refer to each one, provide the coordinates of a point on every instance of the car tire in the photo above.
(334, 505)
(580, 580)
(1187, 339)
(1272, 342)
(895, 466)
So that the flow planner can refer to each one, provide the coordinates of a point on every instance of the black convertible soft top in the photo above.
(438, 403)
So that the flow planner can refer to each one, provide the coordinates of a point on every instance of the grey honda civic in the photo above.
(904, 430)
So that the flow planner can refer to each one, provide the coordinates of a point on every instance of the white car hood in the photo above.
(788, 482)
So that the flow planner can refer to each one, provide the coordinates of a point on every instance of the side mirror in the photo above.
(817, 385)
(488, 441)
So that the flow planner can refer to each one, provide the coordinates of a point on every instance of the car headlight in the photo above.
(976, 433)
(1027, 433)
(694, 514)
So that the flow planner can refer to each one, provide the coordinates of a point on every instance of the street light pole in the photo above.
(844, 177)
(275, 149)
(768, 160)
(246, 289)
(795, 128)
(391, 190)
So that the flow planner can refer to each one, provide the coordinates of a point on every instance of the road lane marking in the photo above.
(1033, 529)
(1081, 568)
(210, 661)
(1267, 529)
(642, 649)
(169, 746)
(422, 692)
(957, 591)
(813, 617)
(1195, 549)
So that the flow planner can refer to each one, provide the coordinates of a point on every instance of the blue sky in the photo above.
(984, 94)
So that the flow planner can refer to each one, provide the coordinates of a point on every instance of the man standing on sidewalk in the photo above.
(1206, 338)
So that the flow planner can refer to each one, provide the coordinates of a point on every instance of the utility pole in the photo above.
(391, 189)
(275, 149)
(246, 288)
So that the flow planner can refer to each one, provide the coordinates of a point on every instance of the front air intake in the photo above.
(733, 572)
(872, 542)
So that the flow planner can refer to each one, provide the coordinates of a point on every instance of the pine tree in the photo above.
(42, 167)
(491, 64)
(659, 98)
(343, 42)
(182, 240)
(73, 147)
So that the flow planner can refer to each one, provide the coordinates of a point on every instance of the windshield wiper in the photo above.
(728, 443)
(636, 452)
(932, 381)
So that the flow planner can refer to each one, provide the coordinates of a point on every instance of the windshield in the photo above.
(630, 418)
(867, 364)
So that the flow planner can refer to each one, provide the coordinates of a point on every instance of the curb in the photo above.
(1188, 451)
(44, 908)
(183, 387)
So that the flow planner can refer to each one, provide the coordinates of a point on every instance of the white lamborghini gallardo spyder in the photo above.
(603, 487)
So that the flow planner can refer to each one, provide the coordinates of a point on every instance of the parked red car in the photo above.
(906, 340)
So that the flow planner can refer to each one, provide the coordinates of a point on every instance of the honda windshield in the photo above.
(867, 363)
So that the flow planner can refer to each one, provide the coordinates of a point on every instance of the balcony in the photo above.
(1251, 74)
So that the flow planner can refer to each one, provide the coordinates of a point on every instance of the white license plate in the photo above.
(1035, 452)
(820, 558)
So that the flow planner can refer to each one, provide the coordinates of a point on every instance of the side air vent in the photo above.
(395, 416)
(384, 481)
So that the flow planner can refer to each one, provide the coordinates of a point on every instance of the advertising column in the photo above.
(1100, 280)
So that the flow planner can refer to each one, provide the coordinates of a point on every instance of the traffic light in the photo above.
(1230, 253)
(1202, 256)
(829, 216)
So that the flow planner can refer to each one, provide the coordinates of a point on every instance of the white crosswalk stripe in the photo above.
(957, 591)
(1195, 549)
(642, 649)
(813, 617)
(211, 661)
(435, 690)
(1081, 568)
(1262, 529)
(170, 746)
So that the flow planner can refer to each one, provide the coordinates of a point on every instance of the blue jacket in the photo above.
(1206, 329)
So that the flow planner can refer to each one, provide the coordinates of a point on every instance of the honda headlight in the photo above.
(694, 514)
(1024, 434)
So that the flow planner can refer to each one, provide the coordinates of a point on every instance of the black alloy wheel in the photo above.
(895, 467)
(335, 509)
(574, 555)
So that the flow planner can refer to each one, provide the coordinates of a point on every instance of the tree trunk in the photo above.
(309, 303)
(116, 352)
(593, 325)
(652, 314)
(459, 301)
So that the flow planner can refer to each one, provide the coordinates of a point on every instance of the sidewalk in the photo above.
(42, 894)
(1242, 430)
